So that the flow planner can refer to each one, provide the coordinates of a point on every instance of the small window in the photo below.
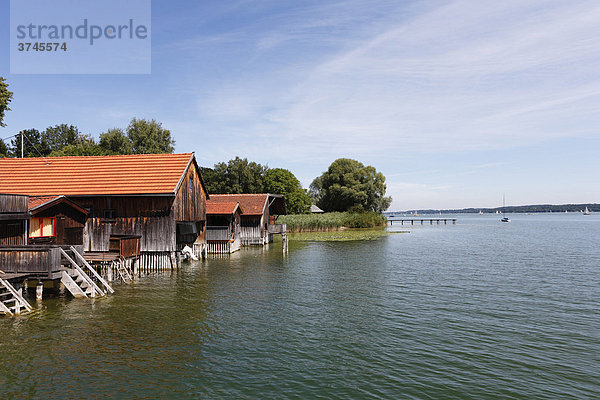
(41, 227)
(191, 185)
(110, 214)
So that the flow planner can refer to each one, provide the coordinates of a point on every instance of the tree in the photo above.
(5, 99)
(282, 181)
(236, 176)
(59, 136)
(114, 141)
(3, 149)
(85, 146)
(33, 146)
(348, 184)
(149, 137)
(51, 142)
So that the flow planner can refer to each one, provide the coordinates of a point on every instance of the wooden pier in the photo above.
(412, 221)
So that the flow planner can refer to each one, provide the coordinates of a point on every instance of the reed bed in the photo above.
(331, 221)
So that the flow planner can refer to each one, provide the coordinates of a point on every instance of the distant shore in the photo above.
(539, 208)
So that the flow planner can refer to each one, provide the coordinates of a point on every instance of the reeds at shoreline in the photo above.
(331, 221)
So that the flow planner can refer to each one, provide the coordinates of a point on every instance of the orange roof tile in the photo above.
(101, 175)
(35, 202)
(251, 204)
(218, 208)
(39, 203)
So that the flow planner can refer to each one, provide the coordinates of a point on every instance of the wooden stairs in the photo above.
(11, 302)
(80, 283)
(123, 272)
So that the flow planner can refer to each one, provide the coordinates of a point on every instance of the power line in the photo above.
(35, 148)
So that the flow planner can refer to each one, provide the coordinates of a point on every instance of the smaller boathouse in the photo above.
(223, 229)
(259, 213)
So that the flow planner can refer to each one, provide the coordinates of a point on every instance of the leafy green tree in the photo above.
(50, 142)
(236, 176)
(3, 149)
(114, 141)
(59, 136)
(34, 144)
(149, 137)
(211, 180)
(348, 184)
(282, 181)
(85, 146)
(5, 99)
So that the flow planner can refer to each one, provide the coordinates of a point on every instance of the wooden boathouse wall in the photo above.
(223, 231)
(13, 219)
(68, 225)
(13, 203)
(253, 230)
(42, 262)
(144, 216)
(190, 204)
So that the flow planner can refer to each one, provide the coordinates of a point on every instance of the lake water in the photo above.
(479, 310)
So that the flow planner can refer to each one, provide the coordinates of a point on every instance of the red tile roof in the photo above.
(218, 208)
(39, 203)
(102, 175)
(35, 202)
(251, 204)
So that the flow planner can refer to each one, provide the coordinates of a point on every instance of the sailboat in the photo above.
(586, 212)
(504, 217)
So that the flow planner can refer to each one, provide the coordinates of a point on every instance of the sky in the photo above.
(455, 102)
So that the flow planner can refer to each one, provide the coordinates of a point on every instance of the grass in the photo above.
(331, 221)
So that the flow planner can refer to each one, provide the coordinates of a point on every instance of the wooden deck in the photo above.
(101, 256)
(39, 262)
(13, 277)
(423, 220)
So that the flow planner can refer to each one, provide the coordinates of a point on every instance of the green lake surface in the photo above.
(479, 310)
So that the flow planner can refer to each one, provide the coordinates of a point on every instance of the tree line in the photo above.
(140, 137)
(347, 185)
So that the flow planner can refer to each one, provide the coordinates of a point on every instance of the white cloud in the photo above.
(465, 76)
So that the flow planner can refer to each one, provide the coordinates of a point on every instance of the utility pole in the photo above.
(22, 140)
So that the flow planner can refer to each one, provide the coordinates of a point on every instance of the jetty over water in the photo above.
(412, 221)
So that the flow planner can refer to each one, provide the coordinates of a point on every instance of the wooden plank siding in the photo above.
(190, 201)
(13, 233)
(156, 233)
(38, 261)
(13, 203)
(68, 225)
(13, 219)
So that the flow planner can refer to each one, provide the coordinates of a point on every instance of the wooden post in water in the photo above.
(39, 291)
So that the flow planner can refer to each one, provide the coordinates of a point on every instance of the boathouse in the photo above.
(259, 213)
(160, 198)
(223, 229)
(21, 260)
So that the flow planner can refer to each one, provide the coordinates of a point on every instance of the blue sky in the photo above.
(455, 102)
